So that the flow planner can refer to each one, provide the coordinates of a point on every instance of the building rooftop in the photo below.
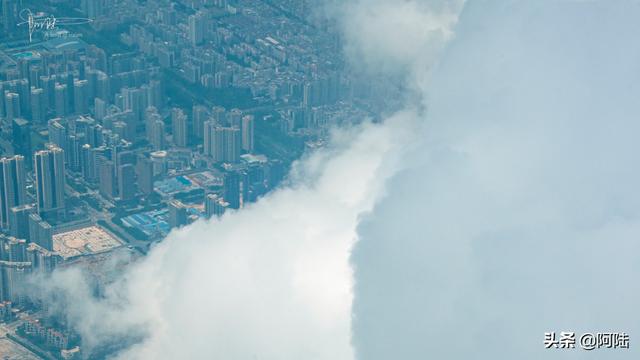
(86, 241)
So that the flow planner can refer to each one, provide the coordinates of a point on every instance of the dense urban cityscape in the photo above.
(145, 117)
(319, 179)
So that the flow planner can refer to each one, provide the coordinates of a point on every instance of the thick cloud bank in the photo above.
(385, 37)
(520, 213)
(272, 281)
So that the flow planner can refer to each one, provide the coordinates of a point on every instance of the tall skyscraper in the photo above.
(80, 96)
(14, 274)
(12, 105)
(13, 250)
(107, 179)
(37, 105)
(48, 86)
(219, 115)
(235, 118)
(223, 144)
(100, 107)
(136, 100)
(61, 100)
(232, 190)
(180, 129)
(155, 94)
(57, 133)
(178, 215)
(21, 139)
(24, 92)
(74, 146)
(9, 15)
(50, 180)
(248, 125)
(35, 71)
(40, 232)
(19, 221)
(200, 116)
(196, 28)
(93, 134)
(157, 138)
(144, 169)
(42, 260)
(154, 128)
(228, 142)
(86, 163)
(215, 205)
(120, 129)
(126, 182)
(150, 115)
(102, 86)
(209, 137)
(127, 122)
(12, 186)
(2, 100)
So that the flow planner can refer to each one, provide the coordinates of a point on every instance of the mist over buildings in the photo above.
(272, 281)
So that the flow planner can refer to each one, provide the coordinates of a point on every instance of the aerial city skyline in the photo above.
(319, 179)
(122, 120)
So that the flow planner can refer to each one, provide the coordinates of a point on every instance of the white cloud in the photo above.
(272, 281)
(520, 213)
(396, 37)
